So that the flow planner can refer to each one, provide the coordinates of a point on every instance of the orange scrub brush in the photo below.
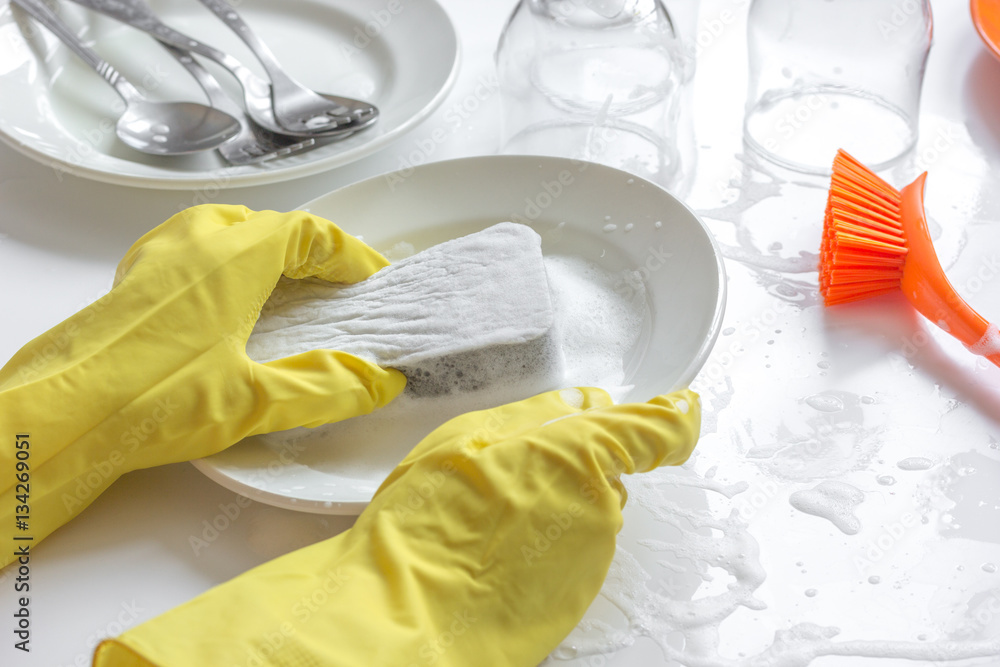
(875, 241)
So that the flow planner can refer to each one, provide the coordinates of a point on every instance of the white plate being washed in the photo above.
(336, 469)
(59, 112)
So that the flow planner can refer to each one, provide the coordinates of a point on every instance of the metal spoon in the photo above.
(160, 128)
(256, 91)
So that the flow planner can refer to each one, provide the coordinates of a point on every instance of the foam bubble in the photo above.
(915, 463)
(989, 344)
(833, 501)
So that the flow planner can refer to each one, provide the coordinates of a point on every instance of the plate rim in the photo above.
(219, 179)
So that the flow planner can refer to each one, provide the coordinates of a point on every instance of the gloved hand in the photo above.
(485, 546)
(156, 371)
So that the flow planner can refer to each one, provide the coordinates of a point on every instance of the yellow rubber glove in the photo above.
(484, 547)
(156, 371)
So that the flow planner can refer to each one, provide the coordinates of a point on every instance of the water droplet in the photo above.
(886, 480)
(607, 217)
(915, 463)
(922, 637)
(823, 364)
(811, 592)
(728, 331)
(161, 128)
(786, 72)
(874, 579)
(658, 224)
(989, 568)
(159, 138)
(825, 403)
(610, 228)
(868, 400)
(628, 227)
(630, 181)
(232, 16)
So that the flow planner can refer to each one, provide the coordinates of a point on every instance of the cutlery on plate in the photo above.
(253, 143)
(296, 107)
(159, 128)
(257, 93)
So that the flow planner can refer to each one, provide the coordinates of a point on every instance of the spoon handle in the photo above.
(41, 13)
(138, 14)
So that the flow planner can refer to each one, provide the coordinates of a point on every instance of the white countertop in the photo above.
(794, 394)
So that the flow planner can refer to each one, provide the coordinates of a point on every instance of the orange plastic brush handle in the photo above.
(924, 283)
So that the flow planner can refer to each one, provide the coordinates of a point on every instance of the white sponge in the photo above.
(460, 316)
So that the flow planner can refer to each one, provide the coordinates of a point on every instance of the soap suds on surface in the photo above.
(677, 614)
(833, 501)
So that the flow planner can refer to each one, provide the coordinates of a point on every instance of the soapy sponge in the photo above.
(460, 316)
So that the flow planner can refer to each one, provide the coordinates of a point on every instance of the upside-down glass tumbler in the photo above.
(829, 74)
(595, 80)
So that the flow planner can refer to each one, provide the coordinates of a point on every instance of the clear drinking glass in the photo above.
(595, 80)
(829, 74)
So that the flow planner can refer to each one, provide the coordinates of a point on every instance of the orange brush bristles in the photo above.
(864, 245)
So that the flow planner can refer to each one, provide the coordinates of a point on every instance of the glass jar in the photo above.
(595, 80)
(829, 74)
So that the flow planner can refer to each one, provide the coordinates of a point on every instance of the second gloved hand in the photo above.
(156, 371)
(485, 546)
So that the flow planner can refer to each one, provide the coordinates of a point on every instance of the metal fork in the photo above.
(296, 107)
(253, 143)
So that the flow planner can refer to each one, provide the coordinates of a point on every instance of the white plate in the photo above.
(60, 113)
(566, 202)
